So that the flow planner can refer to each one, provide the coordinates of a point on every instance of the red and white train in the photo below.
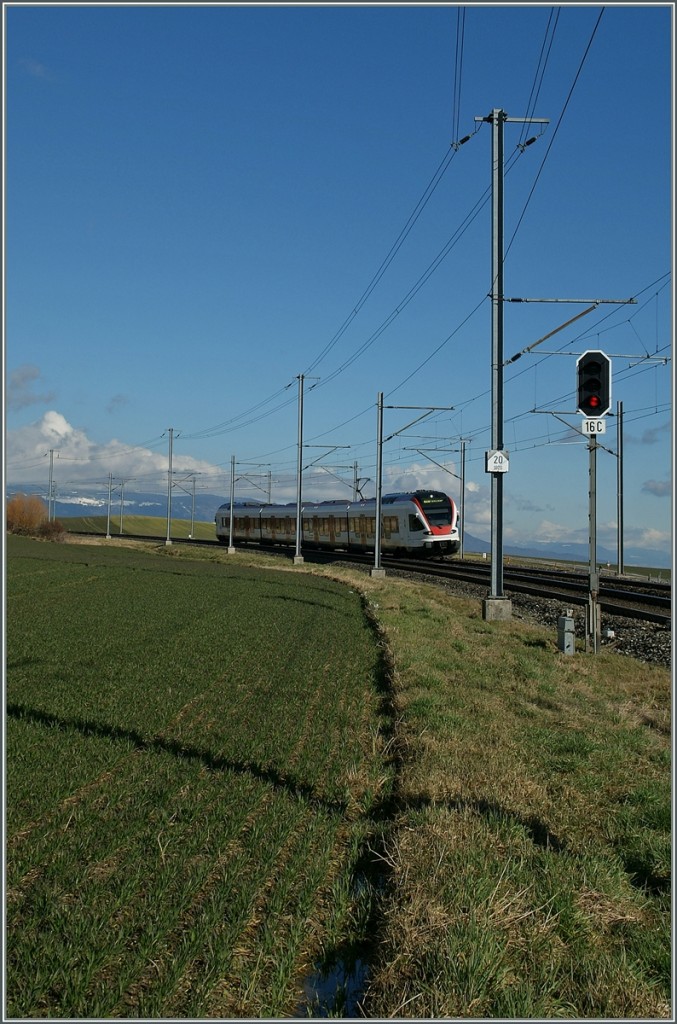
(415, 523)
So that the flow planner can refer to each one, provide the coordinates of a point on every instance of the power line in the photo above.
(394, 249)
(540, 72)
(430, 188)
(554, 134)
(458, 73)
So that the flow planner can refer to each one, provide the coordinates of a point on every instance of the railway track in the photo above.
(650, 602)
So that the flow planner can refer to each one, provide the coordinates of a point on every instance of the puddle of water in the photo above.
(336, 990)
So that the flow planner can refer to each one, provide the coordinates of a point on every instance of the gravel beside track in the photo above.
(644, 641)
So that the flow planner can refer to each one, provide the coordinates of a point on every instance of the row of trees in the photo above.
(28, 515)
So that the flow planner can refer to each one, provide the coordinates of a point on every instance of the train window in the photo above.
(438, 512)
(440, 518)
(415, 524)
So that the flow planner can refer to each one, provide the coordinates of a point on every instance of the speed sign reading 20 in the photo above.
(497, 461)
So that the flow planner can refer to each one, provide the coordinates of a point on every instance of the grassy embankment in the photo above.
(201, 754)
(530, 855)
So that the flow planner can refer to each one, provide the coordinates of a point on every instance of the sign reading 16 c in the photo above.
(594, 426)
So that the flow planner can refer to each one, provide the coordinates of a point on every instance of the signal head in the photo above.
(593, 383)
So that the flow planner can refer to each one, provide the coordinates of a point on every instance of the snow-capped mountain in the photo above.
(140, 503)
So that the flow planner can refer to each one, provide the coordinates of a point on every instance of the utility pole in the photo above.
(110, 493)
(463, 443)
(619, 485)
(378, 570)
(231, 549)
(185, 490)
(298, 557)
(593, 630)
(358, 482)
(169, 488)
(50, 497)
(122, 502)
(496, 605)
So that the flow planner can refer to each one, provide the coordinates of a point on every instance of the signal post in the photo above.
(593, 399)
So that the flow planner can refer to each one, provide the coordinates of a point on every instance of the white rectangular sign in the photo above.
(497, 462)
(594, 426)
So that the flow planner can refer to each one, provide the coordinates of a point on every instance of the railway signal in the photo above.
(593, 400)
(593, 383)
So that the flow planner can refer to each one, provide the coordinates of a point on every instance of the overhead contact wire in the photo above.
(394, 249)
(554, 134)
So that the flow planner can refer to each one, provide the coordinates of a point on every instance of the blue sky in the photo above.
(204, 202)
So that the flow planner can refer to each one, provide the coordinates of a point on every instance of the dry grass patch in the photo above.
(530, 863)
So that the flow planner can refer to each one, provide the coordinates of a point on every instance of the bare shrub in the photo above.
(26, 513)
(51, 531)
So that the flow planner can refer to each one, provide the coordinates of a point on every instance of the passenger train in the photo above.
(415, 523)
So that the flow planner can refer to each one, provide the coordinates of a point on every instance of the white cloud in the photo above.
(548, 532)
(79, 461)
(421, 476)
(638, 537)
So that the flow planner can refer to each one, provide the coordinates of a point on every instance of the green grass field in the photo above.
(193, 750)
(222, 776)
(139, 526)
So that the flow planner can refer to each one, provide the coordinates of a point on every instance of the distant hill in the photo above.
(146, 504)
(578, 553)
(135, 503)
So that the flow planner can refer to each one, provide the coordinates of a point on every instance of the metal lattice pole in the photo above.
(169, 488)
(298, 557)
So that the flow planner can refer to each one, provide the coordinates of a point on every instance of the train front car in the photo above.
(439, 515)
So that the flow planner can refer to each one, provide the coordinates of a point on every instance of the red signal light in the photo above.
(593, 383)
